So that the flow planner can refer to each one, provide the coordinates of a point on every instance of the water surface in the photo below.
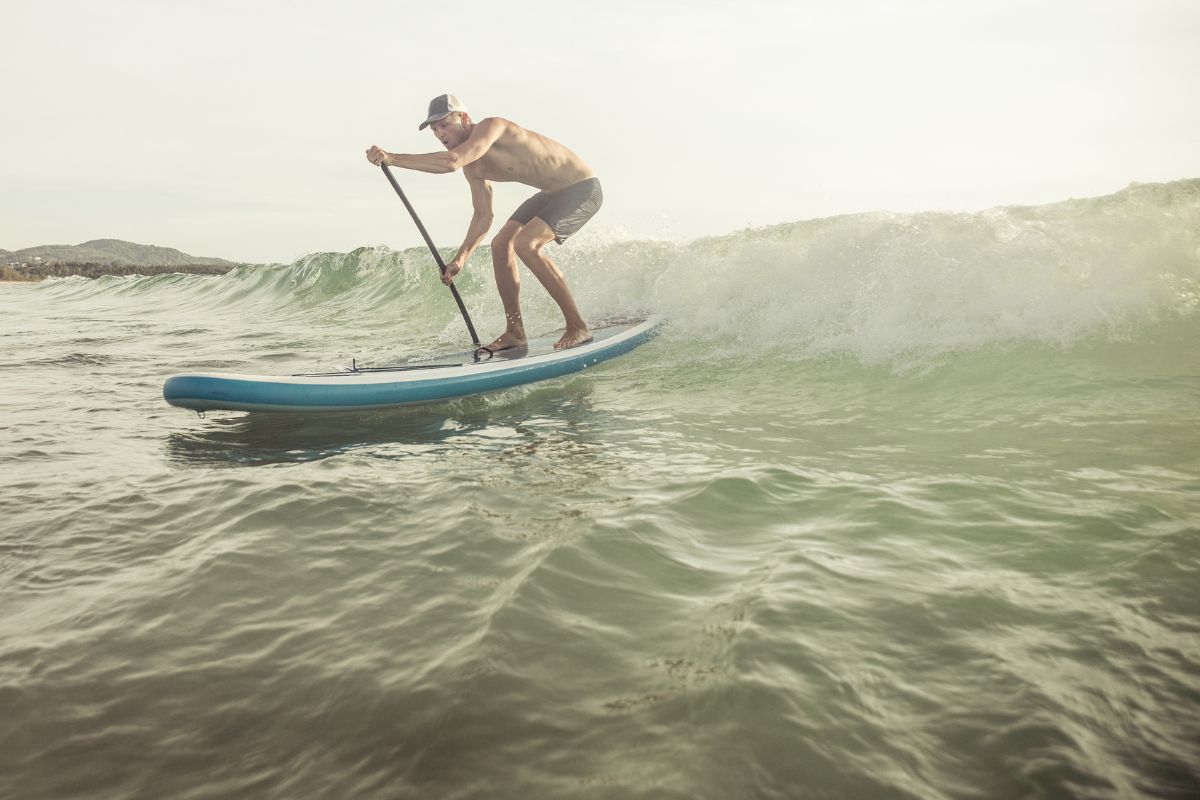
(896, 506)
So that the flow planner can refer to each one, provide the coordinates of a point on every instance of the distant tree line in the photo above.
(11, 274)
(61, 269)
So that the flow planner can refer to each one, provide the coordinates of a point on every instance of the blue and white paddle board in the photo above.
(421, 381)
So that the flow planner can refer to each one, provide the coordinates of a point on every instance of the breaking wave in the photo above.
(881, 288)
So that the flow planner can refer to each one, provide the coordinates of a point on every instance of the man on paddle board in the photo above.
(496, 149)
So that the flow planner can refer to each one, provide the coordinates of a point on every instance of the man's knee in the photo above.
(528, 245)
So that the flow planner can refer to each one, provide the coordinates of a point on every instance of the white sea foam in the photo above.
(893, 287)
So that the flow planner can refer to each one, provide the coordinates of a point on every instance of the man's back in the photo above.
(525, 156)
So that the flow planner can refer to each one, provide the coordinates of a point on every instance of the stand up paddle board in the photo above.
(421, 381)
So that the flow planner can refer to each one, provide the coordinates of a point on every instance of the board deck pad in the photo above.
(417, 381)
(536, 346)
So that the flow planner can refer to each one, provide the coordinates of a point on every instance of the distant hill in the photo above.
(113, 252)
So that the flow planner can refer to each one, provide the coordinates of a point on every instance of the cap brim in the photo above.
(432, 120)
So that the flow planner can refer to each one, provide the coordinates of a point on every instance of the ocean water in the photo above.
(898, 505)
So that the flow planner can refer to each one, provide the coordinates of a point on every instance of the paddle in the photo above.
(436, 255)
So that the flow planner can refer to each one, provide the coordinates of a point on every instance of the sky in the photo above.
(238, 129)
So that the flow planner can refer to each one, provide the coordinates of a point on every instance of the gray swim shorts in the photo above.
(566, 210)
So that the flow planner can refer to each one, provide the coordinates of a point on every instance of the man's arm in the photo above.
(481, 223)
(480, 141)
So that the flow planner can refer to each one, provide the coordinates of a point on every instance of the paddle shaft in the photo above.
(436, 255)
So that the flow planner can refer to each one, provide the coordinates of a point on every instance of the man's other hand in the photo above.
(452, 269)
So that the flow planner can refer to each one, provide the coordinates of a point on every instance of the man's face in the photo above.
(450, 130)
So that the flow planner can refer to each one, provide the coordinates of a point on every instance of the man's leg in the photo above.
(508, 282)
(528, 244)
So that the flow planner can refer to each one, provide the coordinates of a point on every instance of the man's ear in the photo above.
(465, 118)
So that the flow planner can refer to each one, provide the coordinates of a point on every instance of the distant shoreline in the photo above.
(35, 273)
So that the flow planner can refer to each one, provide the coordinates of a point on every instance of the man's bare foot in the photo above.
(509, 340)
(573, 338)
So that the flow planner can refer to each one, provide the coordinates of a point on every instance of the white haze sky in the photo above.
(237, 129)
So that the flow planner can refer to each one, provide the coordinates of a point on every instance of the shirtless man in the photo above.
(496, 149)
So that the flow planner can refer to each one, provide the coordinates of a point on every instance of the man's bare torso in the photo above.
(523, 156)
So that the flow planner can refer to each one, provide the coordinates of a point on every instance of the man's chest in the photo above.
(496, 165)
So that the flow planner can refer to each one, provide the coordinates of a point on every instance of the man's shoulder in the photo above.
(496, 124)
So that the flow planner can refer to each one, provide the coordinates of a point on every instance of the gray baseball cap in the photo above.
(442, 106)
